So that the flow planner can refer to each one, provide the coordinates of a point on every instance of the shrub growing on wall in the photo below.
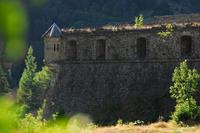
(139, 21)
(168, 32)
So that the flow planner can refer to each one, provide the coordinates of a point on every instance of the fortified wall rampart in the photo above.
(118, 72)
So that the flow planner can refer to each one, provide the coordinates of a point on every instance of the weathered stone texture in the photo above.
(122, 45)
(109, 91)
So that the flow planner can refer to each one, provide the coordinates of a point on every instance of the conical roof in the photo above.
(53, 31)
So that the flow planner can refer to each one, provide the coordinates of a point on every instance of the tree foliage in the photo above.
(167, 32)
(43, 77)
(10, 122)
(41, 84)
(32, 83)
(26, 83)
(185, 112)
(185, 83)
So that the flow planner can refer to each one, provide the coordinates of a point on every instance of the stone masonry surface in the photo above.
(118, 72)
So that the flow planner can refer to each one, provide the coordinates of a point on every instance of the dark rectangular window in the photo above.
(141, 47)
(72, 50)
(101, 49)
(186, 46)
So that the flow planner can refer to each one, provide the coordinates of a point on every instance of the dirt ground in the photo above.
(160, 127)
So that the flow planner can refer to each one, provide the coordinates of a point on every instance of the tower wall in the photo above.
(52, 49)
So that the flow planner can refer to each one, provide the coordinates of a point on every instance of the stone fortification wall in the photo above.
(109, 91)
(122, 45)
(120, 79)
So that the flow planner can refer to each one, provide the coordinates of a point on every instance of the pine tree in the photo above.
(26, 84)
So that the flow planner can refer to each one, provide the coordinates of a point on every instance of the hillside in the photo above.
(82, 13)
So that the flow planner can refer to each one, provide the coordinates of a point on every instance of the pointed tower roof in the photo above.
(53, 31)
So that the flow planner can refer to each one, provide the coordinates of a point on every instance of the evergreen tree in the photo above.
(43, 77)
(42, 83)
(33, 84)
(26, 84)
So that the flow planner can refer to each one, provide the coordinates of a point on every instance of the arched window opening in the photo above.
(101, 49)
(141, 47)
(186, 46)
(72, 51)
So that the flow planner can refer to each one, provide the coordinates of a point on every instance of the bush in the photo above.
(120, 122)
(8, 116)
(31, 124)
(168, 32)
(186, 112)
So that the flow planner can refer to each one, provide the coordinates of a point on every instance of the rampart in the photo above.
(119, 72)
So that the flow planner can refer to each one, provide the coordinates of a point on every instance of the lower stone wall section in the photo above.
(111, 91)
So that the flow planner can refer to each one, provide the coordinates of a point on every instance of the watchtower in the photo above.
(52, 43)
